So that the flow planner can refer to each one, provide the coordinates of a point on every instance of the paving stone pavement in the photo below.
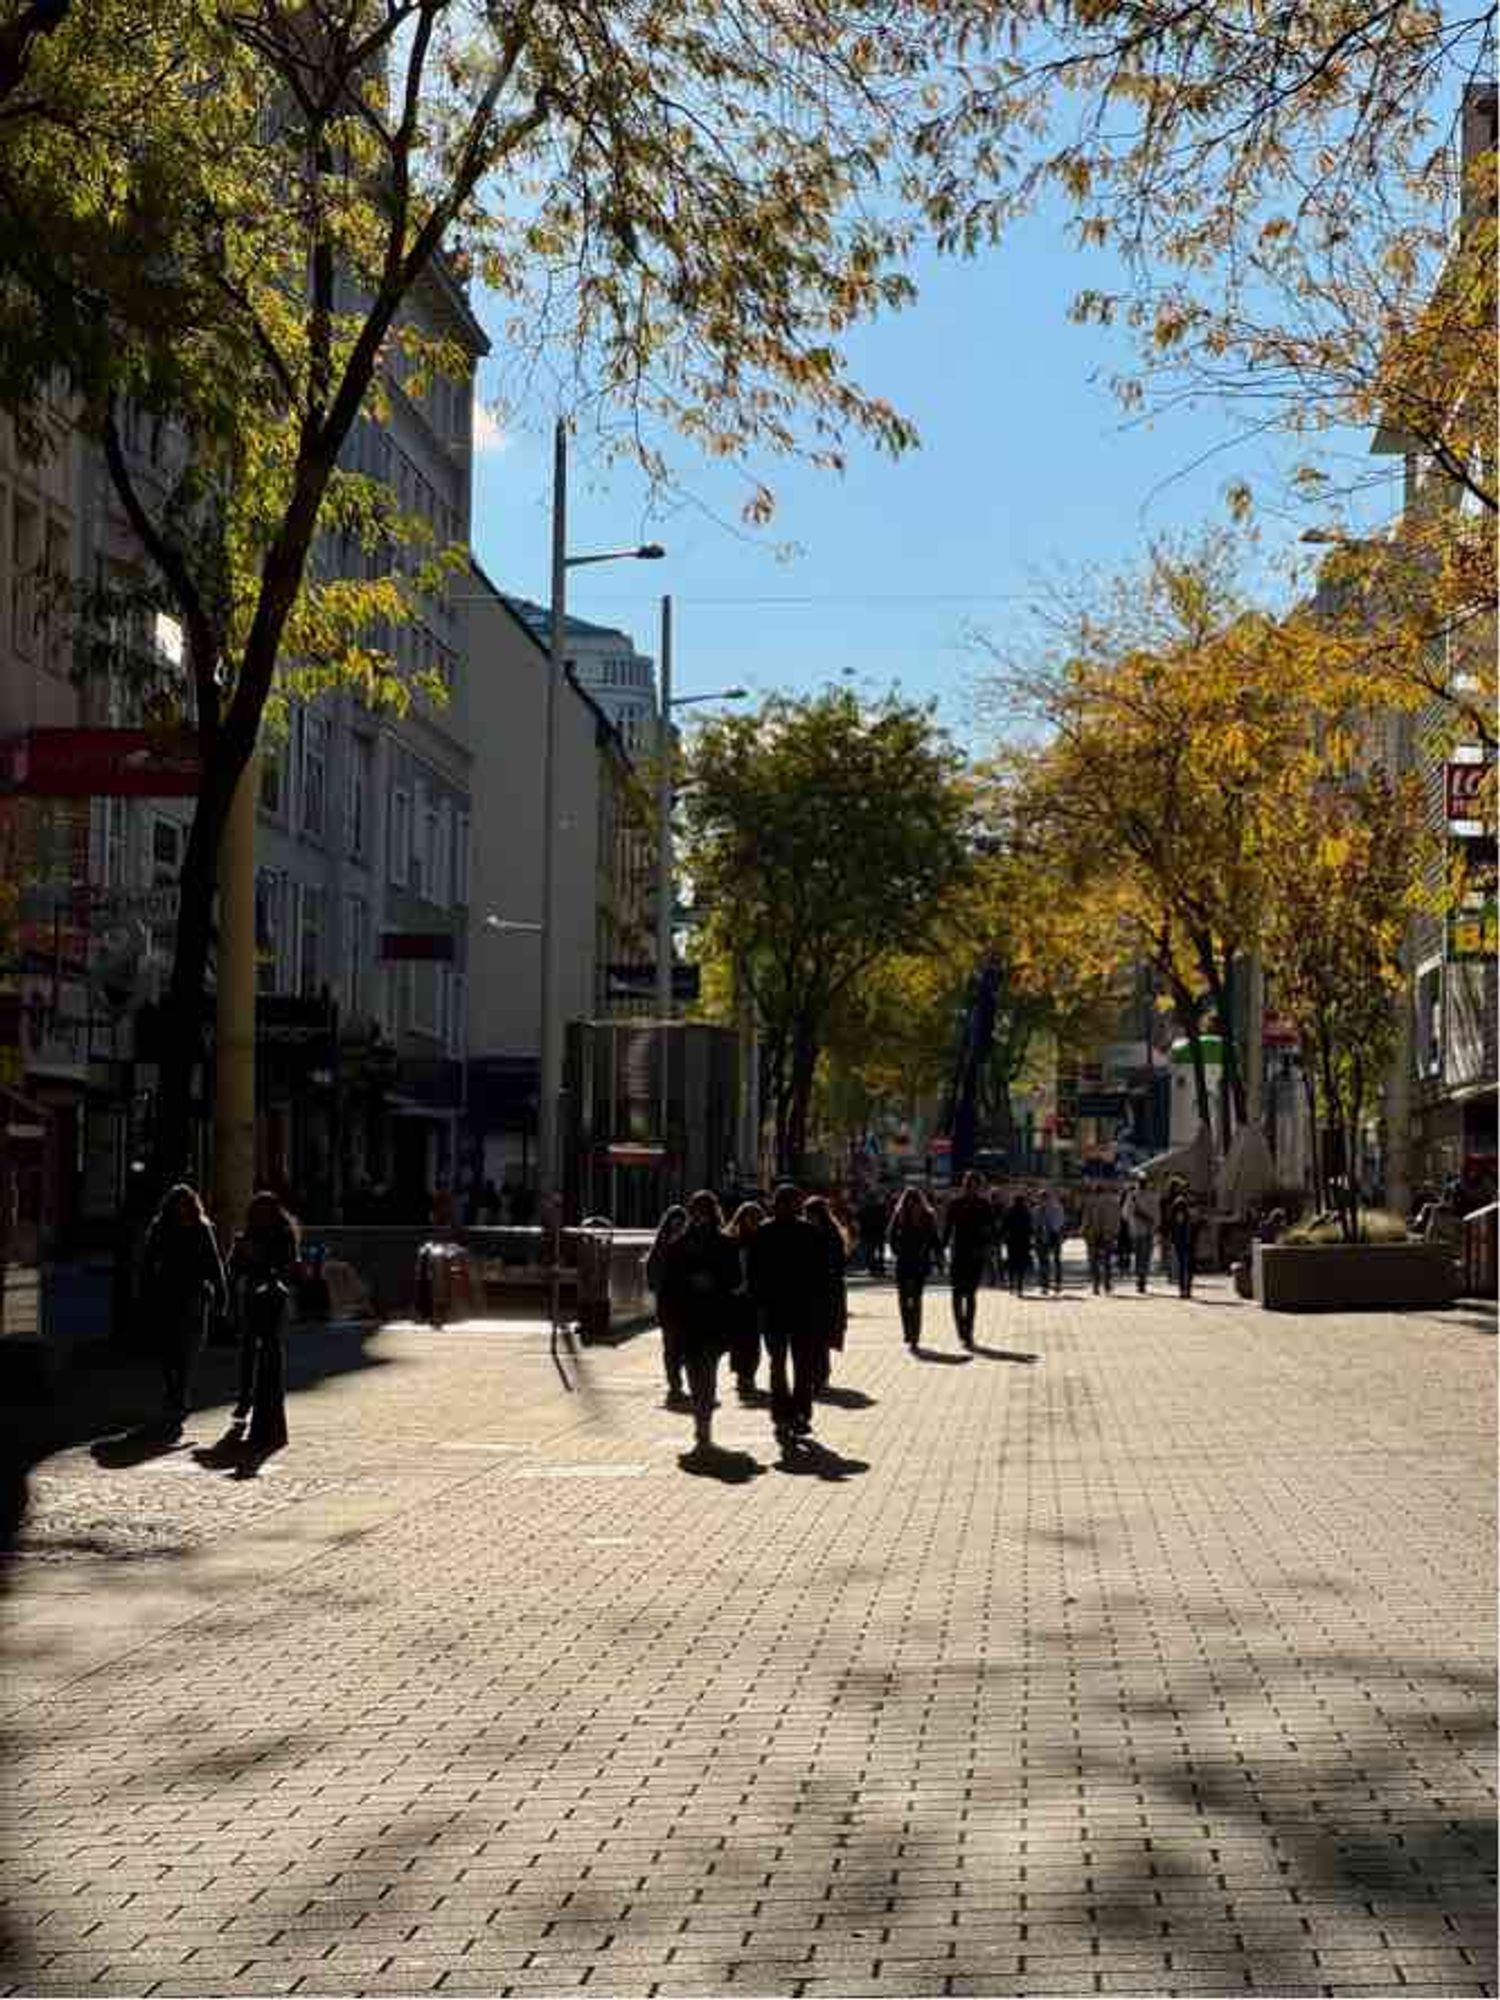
(1149, 1650)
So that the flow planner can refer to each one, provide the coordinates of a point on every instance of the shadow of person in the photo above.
(809, 1459)
(135, 1446)
(713, 1461)
(845, 1399)
(250, 1458)
(224, 1453)
(942, 1357)
(1002, 1353)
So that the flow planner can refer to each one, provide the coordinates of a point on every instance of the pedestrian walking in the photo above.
(1051, 1224)
(966, 1243)
(1019, 1225)
(818, 1211)
(995, 1273)
(182, 1281)
(263, 1263)
(1101, 1236)
(872, 1232)
(1181, 1227)
(700, 1276)
(744, 1346)
(916, 1247)
(788, 1279)
(1140, 1221)
(673, 1222)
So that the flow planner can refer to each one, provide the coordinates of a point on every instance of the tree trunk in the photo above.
(803, 1068)
(1314, 1128)
(183, 1017)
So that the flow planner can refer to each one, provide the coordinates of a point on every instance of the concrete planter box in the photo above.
(1302, 1277)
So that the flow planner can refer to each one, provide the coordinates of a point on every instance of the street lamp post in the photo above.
(550, 1036)
(664, 800)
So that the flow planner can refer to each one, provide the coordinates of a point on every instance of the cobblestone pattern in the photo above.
(1148, 1651)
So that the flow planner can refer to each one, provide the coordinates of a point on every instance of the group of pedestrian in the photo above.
(769, 1283)
(186, 1287)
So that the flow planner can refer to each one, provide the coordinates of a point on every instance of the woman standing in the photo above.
(182, 1278)
(263, 1260)
(671, 1226)
(913, 1239)
(835, 1302)
(744, 1346)
(702, 1275)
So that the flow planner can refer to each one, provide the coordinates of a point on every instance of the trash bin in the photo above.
(594, 1242)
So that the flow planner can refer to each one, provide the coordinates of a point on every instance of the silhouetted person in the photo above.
(872, 1232)
(788, 1279)
(1101, 1236)
(916, 1247)
(966, 1239)
(1180, 1226)
(182, 1281)
(700, 1275)
(263, 1261)
(1049, 1223)
(674, 1221)
(818, 1211)
(1017, 1225)
(744, 1346)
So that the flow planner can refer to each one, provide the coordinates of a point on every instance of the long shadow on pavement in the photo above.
(1002, 1353)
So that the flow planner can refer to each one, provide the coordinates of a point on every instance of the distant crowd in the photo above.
(770, 1281)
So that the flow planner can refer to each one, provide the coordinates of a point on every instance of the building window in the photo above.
(355, 984)
(1428, 999)
(426, 1011)
(399, 858)
(310, 929)
(270, 929)
(314, 774)
(273, 780)
(168, 838)
(26, 562)
(358, 780)
(461, 860)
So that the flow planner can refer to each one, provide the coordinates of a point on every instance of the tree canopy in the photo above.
(822, 835)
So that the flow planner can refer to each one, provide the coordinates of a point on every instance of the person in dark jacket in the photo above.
(872, 1232)
(966, 1241)
(674, 1221)
(263, 1265)
(1180, 1227)
(182, 1281)
(744, 1346)
(701, 1274)
(1017, 1225)
(916, 1246)
(789, 1280)
(818, 1210)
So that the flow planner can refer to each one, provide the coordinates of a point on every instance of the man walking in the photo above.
(1101, 1235)
(788, 1268)
(967, 1231)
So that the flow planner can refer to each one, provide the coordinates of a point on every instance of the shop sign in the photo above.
(1473, 932)
(1465, 777)
(101, 763)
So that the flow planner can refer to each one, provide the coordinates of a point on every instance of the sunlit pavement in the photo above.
(1148, 1650)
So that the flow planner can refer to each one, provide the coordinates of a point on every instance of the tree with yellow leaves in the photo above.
(1343, 861)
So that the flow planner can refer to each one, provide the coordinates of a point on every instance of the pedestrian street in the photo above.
(1148, 1649)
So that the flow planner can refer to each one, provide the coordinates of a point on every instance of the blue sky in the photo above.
(1026, 468)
